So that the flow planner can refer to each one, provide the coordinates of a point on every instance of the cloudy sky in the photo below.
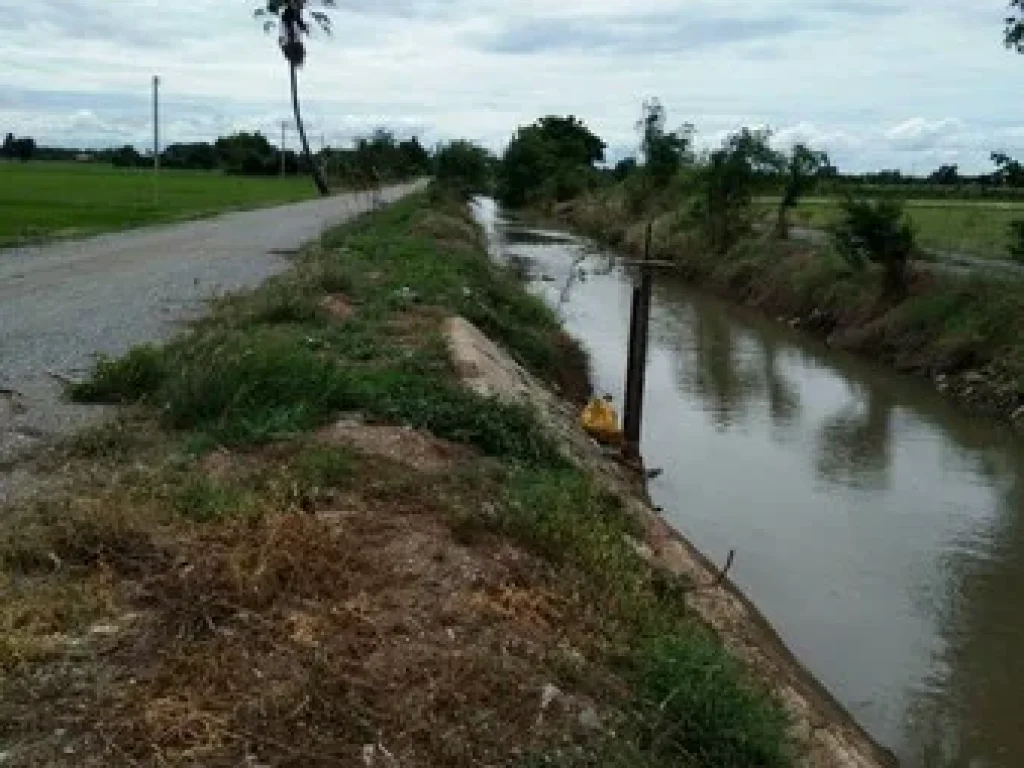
(894, 83)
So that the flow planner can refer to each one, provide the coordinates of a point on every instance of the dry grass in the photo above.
(297, 638)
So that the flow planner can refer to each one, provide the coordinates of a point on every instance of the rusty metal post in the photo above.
(636, 365)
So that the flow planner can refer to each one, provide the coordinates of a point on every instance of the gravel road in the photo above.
(62, 304)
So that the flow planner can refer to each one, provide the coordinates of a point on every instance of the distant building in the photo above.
(84, 157)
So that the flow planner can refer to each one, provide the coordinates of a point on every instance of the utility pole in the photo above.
(156, 138)
(284, 127)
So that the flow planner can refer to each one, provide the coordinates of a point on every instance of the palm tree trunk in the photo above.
(314, 170)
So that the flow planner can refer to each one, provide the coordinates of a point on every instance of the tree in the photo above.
(1008, 171)
(727, 182)
(552, 159)
(24, 149)
(1015, 26)
(946, 175)
(800, 173)
(877, 231)
(248, 154)
(464, 168)
(8, 148)
(126, 157)
(624, 168)
(664, 152)
(290, 18)
(414, 160)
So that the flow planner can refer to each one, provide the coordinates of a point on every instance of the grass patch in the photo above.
(41, 200)
(702, 709)
(692, 704)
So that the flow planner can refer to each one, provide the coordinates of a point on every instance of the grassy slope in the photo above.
(965, 332)
(41, 200)
(579, 609)
(980, 229)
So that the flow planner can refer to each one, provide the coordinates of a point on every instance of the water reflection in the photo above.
(783, 397)
(879, 530)
(855, 443)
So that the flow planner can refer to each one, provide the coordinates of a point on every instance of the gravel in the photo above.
(62, 304)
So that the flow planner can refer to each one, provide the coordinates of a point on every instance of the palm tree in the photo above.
(289, 17)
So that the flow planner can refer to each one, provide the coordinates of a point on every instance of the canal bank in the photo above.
(874, 524)
(337, 527)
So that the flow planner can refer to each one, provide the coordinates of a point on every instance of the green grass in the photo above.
(273, 362)
(979, 229)
(692, 704)
(42, 200)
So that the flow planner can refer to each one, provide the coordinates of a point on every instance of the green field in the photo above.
(962, 227)
(41, 200)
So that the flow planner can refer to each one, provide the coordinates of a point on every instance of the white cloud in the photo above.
(875, 82)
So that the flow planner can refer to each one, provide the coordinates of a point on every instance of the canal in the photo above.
(877, 528)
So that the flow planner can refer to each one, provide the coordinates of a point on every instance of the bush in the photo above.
(876, 231)
(124, 380)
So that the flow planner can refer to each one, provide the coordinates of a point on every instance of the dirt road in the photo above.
(62, 304)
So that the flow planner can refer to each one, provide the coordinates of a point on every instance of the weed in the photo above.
(702, 709)
(203, 499)
(127, 379)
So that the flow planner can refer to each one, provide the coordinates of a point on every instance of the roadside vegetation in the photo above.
(304, 543)
(864, 280)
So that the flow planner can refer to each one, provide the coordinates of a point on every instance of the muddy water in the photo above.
(878, 529)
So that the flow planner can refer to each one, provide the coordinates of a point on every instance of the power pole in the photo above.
(156, 138)
(284, 127)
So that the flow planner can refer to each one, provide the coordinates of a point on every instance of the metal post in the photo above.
(156, 138)
(636, 366)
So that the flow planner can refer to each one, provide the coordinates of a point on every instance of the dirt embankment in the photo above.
(962, 333)
(824, 733)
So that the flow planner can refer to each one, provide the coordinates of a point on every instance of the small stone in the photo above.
(589, 719)
(1018, 414)
(548, 694)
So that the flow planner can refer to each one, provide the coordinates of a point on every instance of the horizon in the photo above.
(899, 84)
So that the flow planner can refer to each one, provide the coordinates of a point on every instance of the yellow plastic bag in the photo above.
(601, 422)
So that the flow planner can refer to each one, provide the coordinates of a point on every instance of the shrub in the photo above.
(876, 231)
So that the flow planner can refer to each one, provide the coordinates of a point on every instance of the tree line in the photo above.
(713, 192)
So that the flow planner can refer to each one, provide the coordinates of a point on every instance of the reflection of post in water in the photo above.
(972, 713)
(855, 445)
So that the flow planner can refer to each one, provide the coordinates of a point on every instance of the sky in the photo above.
(908, 84)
